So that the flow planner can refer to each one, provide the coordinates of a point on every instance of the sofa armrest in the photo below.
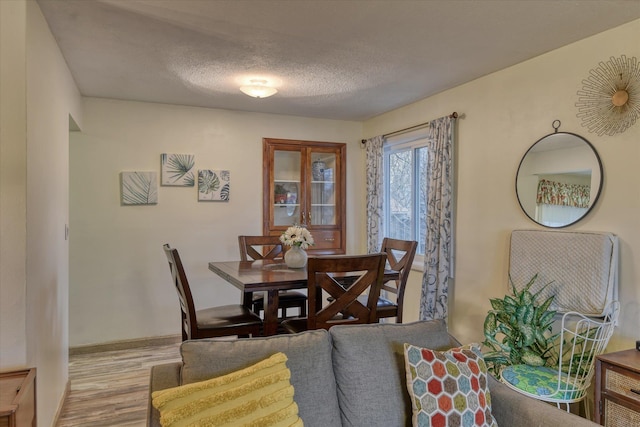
(162, 377)
(510, 408)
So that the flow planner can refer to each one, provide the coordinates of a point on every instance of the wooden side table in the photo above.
(18, 398)
(617, 391)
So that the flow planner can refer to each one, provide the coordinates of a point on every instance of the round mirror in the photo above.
(559, 179)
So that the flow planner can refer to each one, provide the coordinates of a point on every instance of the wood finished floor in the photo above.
(110, 388)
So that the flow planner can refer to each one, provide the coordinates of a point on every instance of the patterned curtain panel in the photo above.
(374, 193)
(439, 228)
(559, 193)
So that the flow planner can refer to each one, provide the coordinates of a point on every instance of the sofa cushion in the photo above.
(368, 363)
(449, 387)
(309, 360)
(259, 394)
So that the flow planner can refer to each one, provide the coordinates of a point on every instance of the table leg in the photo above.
(271, 313)
(247, 299)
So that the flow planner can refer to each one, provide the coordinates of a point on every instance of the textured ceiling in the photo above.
(340, 59)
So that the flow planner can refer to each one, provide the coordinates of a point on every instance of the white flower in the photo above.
(297, 236)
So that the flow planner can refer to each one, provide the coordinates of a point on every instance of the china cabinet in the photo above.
(304, 184)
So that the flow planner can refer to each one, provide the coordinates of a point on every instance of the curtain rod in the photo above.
(453, 115)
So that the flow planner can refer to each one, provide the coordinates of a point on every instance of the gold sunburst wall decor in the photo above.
(609, 101)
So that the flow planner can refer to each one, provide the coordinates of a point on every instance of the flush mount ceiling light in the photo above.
(258, 89)
(609, 101)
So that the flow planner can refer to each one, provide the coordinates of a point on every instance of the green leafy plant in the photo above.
(517, 330)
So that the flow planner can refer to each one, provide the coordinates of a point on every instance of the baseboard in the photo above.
(65, 394)
(125, 344)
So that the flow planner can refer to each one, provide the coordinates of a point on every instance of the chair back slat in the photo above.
(400, 255)
(260, 247)
(181, 284)
(344, 307)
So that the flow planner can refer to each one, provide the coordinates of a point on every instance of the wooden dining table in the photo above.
(270, 276)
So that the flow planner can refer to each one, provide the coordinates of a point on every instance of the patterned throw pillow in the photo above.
(448, 388)
(258, 395)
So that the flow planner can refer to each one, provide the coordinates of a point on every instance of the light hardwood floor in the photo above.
(110, 388)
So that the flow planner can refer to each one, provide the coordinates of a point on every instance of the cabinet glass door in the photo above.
(323, 189)
(287, 188)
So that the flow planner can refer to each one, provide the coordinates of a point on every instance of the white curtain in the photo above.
(375, 193)
(558, 216)
(438, 255)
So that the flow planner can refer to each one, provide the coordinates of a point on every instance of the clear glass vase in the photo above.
(296, 257)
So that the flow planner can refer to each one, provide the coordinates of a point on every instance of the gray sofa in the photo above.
(349, 376)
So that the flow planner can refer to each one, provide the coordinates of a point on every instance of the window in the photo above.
(405, 176)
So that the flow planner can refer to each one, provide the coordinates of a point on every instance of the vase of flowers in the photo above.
(299, 238)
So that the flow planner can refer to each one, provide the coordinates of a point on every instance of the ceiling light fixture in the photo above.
(258, 89)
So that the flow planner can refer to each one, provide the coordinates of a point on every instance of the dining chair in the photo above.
(323, 274)
(400, 254)
(568, 379)
(210, 322)
(270, 247)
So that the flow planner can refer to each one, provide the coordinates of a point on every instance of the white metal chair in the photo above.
(581, 339)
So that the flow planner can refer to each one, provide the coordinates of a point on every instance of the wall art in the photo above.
(139, 188)
(177, 170)
(213, 185)
(609, 101)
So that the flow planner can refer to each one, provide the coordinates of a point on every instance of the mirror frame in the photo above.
(601, 183)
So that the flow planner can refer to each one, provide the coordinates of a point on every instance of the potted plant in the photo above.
(518, 330)
(299, 239)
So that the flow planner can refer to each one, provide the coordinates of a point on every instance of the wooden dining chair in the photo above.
(270, 247)
(211, 322)
(323, 274)
(400, 254)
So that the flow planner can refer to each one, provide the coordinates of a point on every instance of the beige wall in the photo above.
(38, 97)
(52, 98)
(120, 286)
(13, 186)
(503, 115)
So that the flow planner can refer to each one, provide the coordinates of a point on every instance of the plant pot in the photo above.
(295, 257)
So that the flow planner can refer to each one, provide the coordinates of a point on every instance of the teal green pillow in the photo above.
(537, 381)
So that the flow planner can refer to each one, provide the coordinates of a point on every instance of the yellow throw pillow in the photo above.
(260, 395)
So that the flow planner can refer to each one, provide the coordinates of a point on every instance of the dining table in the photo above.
(270, 276)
